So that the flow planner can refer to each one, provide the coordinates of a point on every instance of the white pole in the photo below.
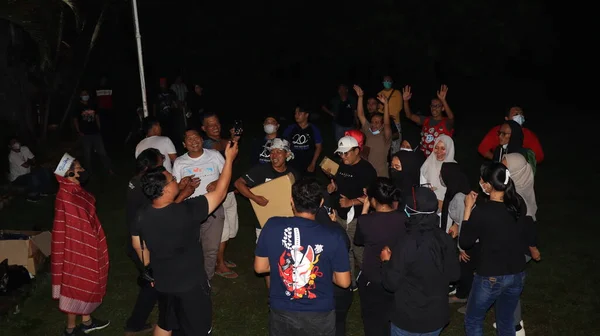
(138, 39)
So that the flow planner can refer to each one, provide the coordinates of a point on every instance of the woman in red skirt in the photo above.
(79, 251)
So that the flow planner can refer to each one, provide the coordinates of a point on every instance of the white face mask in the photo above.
(519, 119)
(85, 98)
(375, 132)
(270, 128)
(483, 189)
(406, 149)
(16, 146)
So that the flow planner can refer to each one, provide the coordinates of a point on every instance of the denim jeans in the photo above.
(339, 131)
(503, 292)
(395, 331)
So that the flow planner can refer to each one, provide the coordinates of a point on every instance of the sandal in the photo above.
(227, 275)
(230, 264)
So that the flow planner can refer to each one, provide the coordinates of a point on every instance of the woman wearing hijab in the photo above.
(405, 169)
(455, 181)
(522, 174)
(510, 137)
(79, 252)
(443, 151)
(418, 269)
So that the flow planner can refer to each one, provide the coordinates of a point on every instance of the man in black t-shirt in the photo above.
(171, 232)
(136, 200)
(261, 173)
(87, 125)
(353, 176)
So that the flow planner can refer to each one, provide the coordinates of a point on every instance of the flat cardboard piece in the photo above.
(329, 166)
(279, 193)
(29, 253)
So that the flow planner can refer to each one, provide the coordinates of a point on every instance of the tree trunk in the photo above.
(91, 45)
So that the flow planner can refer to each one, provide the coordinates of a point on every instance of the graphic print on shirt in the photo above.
(298, 266)
(88, 115)
(301, 141)
(200, 171)
(265, 155)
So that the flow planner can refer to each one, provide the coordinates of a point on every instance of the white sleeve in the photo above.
(27, 153)
(177, 170)
(220, 161)
(169, 146)
(423, 180)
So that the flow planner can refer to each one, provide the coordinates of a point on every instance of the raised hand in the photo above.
(359, 91)
(441, 94)
(406, 93)
(231, 151)
(382, 98)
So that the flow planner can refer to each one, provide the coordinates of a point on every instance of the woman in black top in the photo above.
(383, 227)
(419, 268)
(504, 233)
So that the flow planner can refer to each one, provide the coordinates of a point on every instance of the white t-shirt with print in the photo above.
(207, 167)
(163, 144)
(16, 160)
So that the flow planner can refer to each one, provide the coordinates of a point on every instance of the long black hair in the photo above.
(498, 176)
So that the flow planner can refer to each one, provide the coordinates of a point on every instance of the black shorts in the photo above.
(290, 323)
(189, 312)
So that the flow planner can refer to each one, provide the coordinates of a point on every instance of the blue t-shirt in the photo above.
(303, 255)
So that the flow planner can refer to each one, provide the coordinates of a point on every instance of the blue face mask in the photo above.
(387, 85)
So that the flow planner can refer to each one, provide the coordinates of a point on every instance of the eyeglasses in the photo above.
(344, 154)
(500, 133)
(436, 106)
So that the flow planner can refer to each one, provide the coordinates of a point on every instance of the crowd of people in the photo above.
(398, 222)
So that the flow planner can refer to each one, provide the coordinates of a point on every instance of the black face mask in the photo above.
(83, 177)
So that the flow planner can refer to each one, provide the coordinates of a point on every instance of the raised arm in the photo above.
(406, 95)
(387, 129)
(216, 197)
(360, 110)
(441, 94)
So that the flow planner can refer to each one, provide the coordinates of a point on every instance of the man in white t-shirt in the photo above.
(21, 160)
(154, 139)
(206, 164)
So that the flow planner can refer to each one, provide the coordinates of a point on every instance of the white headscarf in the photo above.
(522, 175)
(430, 170)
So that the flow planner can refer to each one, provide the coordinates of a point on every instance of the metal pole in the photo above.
(138, 39)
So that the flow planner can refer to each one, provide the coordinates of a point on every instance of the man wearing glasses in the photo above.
(433, 126)
(347, 189)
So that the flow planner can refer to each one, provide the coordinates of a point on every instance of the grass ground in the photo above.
(560, 298)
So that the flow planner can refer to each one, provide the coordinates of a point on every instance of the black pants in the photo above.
(188, 312)
(288, 323)
(466, 273)
(375, 306)
(146, 300)
(343, 301)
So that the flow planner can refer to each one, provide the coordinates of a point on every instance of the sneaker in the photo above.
(353, 288)
(94, 325)
(33, 199)
(132, 331)
(76, 332)
(451, 290)
(520, 328)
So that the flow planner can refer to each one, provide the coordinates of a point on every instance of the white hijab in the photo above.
(522, 175)
(430, 170)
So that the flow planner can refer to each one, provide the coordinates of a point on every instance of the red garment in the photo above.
(430, 133)
(104, 97)
(79, 251)
(530, 140)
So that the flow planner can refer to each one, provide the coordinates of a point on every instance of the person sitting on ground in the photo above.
(22, 171)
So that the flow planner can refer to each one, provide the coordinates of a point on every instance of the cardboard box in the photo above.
(30, 253)
(279, 194)
(330, 166)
